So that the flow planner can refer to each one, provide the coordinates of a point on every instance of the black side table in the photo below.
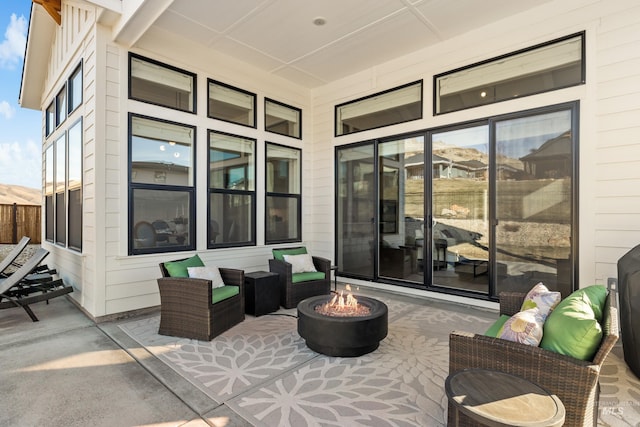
(261, 292)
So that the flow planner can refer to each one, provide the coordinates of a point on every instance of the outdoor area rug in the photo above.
(263, 370)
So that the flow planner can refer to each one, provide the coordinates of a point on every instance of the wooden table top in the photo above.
(500, 399)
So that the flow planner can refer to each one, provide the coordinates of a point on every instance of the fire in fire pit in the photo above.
(342, 334)
(343, 306)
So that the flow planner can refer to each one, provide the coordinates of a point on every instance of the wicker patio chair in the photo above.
(292, 292)
(187, 309)
(574, 381)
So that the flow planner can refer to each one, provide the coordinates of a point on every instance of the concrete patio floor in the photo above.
(66, 370)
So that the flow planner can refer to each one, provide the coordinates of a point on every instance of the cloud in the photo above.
(6, 110)
(15, 39)
(21, 163)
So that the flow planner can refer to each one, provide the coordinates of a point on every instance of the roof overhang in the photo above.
(36, 57)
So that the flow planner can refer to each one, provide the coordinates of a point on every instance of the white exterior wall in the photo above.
(72, 44)
(108, 281)
(130, 281)
(609, 180)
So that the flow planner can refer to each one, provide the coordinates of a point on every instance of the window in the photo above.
(48, 194)
(161, 185)
(59, 184)
(550, 66)
(231, 190)
(61, 106)
(75, 89)
(50, 119)
(283, 202)
(74, 185)
(394, 106)
(283, 119)
(63, 167)
(231, 104)
(157, 83)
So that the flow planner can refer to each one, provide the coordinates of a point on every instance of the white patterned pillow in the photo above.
(524, 327)
(300, 263)
(541, 297)
(209, 273)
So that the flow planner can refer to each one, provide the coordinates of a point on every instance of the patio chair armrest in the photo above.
(233, 277)
(185, 292)
(322, 264)
(511, 302)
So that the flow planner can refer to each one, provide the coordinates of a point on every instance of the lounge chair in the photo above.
(40, 274)
(16, 291)
(10, 259)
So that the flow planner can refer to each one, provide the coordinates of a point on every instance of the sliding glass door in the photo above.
(534, 201)
(460, 208)
(471, 209)
(401, 209)
(356, 210)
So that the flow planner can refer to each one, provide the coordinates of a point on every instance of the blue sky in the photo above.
(20, 129)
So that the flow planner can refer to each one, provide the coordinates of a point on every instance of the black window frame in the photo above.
(60, 114)
(384, 92)
(60, 194)
(236, 89)
(499, 58)
(194, 106)
(297, 197)
(225, 191)
(76, 73)
(282, 104)
(50, 118)
(74, 211)
(133, 186)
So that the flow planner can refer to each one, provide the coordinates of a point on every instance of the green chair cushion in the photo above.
(224, 292)
(306, 276)
(494, 330)
(279, 253)
(572, 328)
(179, 268)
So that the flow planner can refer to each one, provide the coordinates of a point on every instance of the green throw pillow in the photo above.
(179, 268)
(572, 328)
(496, 328)
(595, 296)
(279, 253)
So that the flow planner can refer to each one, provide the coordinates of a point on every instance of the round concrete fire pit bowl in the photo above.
(342, 336)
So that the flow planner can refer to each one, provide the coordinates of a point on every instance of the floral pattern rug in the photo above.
(262, 370)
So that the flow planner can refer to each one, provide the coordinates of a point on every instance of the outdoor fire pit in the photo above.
(342, 331)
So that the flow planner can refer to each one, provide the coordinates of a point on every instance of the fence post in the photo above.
(14, 221)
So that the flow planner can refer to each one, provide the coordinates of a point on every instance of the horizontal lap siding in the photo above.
(617, 192)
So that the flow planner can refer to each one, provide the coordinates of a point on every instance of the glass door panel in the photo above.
(460, 209)
(401, 203)
(355, 234)
(534, 187)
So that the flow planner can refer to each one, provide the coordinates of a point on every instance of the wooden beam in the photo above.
(53, 8)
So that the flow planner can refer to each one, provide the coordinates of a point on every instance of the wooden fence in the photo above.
(19, 220)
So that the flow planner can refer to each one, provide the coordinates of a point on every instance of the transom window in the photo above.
(157, 83)
(542, 68)
(387, 108)
(283, 119)
(231, 104)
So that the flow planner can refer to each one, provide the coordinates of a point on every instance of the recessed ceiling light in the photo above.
(319, 21)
